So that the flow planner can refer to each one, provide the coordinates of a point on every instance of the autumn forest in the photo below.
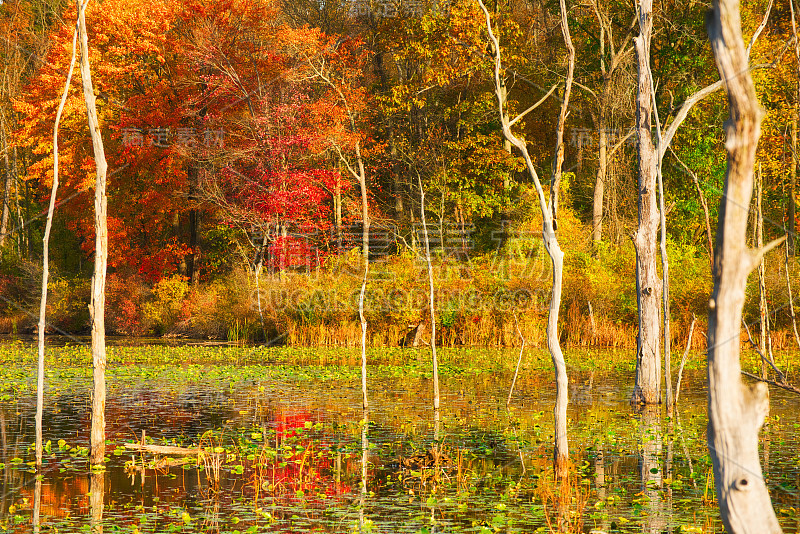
(284, 189)
(231, 133)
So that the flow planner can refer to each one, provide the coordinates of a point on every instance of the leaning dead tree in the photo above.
(736, 411)
(98, 303)
(549, 227)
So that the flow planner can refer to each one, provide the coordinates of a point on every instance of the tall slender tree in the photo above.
(648, 285)
(7, 180)
(98, 301)
(548, 209)
(46, 256)
(736, 410)
(647, 389)
(431, 295)
(350, 99)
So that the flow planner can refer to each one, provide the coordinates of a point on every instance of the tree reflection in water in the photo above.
(96, 500)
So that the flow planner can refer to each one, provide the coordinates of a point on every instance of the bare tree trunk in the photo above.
(599, 184)
(561, 454)
(790, 215)
(28, 227)
(558, 150)
(762, 287)
(648, 286)
(789, 292)
(359, 174)
(519, 361)
(683, 360)
(561, 448)
(46, 258)
(257, 272)
(97, 310)
(736, 411)
(193, 259)
(431, 295)
(6, 181)
(665, 288)
(337, 212)
(22, 233)
(362, 183)
(397, 186)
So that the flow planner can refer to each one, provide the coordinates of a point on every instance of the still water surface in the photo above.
(284, 451)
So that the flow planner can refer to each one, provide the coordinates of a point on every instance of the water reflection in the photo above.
(650, 468)
(37, 504)
(364, 470)
(603, 522)
(96, 501)
(302, 455)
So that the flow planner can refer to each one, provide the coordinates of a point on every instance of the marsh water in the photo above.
(287, 448)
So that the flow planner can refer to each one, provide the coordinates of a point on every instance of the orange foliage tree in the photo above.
(210, 114)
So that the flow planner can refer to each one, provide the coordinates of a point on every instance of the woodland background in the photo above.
(231, 216)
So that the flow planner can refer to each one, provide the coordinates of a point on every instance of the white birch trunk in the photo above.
(7, 182)
(46, 258)
(431, 299)
(97, 307)
(362, 182)
(736, 411)
(561, 448)
(600, 182)
(762, 283)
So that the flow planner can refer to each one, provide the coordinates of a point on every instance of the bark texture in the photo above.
(98, 303)
(648, 285)
(736, 411)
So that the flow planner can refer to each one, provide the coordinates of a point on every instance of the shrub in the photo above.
(68, 304)
(163, 307)
(125, 298)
